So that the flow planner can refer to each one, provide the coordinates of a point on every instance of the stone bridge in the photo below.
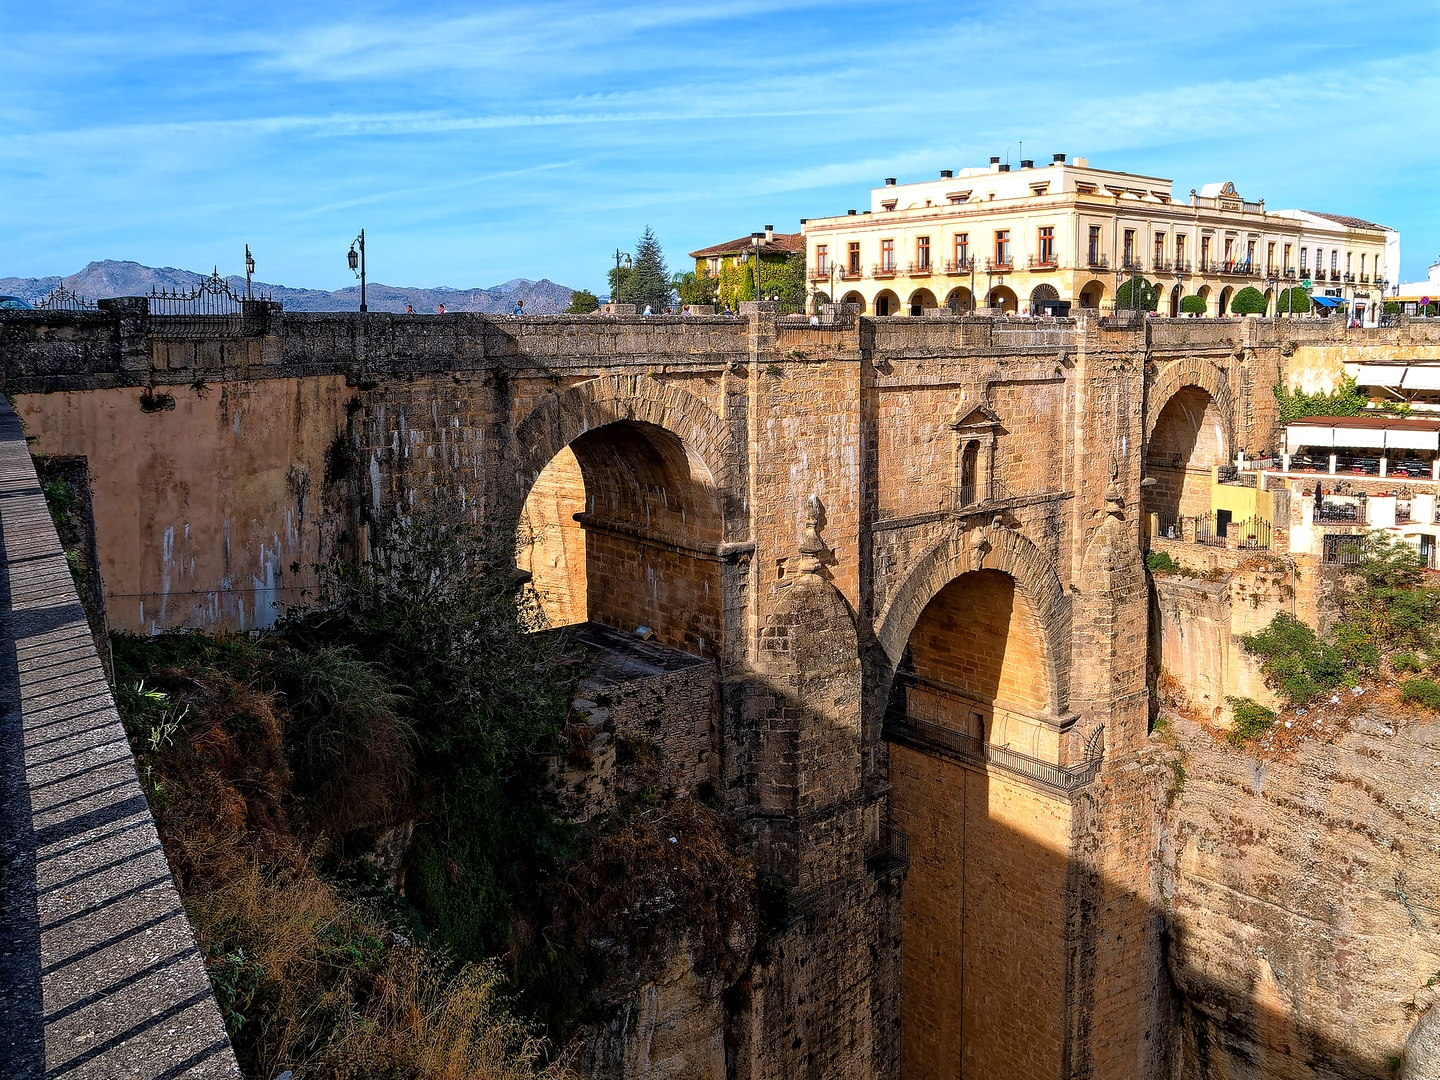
(908, 548)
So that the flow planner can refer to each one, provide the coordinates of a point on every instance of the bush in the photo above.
(1421, 692)
(1251, 720)
(1405, 662)
(1160, 562)
(1193, 305)
(1248, 301)
(1293, 301)
(1295, 662)
(582, 302)
(1344, 400)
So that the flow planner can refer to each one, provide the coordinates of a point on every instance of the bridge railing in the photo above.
(927, 737)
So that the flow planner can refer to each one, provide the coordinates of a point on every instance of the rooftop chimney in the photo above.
(852, 213)
(889, 181)
(995, 164)
(1027, 163)
(947, 174)
(1003, 168)
(769, 233)
(1082, 163)
(1058, 159)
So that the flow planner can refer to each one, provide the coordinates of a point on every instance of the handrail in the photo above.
(927, 737)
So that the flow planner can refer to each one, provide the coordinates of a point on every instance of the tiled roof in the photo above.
(783, 242)
(1349, 222)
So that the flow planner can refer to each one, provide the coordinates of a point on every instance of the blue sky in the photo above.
(476, 143)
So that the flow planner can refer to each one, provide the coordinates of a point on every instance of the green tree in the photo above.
(582, 302)
(696, 288)
(1248, 301)
(1192, 305)
(1147, 294)
(1344, 400)
(648, 282)
(786, 280)
(1294, 300)
(617, 277)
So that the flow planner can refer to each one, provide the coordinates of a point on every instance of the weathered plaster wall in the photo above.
(210, 512)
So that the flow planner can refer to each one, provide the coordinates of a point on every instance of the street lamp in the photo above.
(249, 272)
(357, 264)
(756, 239)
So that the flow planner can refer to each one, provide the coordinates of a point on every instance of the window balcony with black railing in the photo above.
(1181, 266)
(959, 266)
(1129, 263)
(820, 272)
(1364, 279)
(999, 266)
(850, 273)
(1160, 266)
(1042, 262)
(1096, 261)
(918, 269)
(1349, 279)
(882, 270)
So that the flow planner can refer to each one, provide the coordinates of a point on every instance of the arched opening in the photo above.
(1004, 298)
(983, 939)
(1042, 292)
(621, 528)
(969, 472)
(820, 298)
(1175, 302)
(853, 297)
(1092, 295)
(960, 301)
(921, 299)
(886, 303)
(1225, 294)
(1269, 303)
(1188, 439)
(1204, 293)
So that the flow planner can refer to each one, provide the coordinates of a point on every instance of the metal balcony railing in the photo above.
(1095, 261)
(918, 269)
(882, 270)
(890, 856)
(1352, 513)
(999, 266)
(925, 737)
(958, 266)
(1043, 262)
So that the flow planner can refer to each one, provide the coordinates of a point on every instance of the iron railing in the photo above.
(958, 266)
(1043, 262)
(1348, 513)
(1254, 534)
(1206, 533)
(1342, 550)
(882, 270)
(928, 738)
(891, 856)
(1169, 527)
(62, 299)
(210, 309)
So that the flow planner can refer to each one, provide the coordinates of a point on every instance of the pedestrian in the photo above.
(647, 310)
(440, 309)
(409, 310)
(519, 308)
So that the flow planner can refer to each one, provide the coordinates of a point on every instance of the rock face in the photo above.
(1303, 903)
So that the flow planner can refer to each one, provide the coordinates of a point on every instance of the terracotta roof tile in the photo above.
(786, 242)
(1349, 222)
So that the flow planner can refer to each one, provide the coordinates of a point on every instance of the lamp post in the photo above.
(358, 260)
(249, 272)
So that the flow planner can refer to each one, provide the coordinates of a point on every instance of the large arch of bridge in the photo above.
(957, 553)
(619, 503)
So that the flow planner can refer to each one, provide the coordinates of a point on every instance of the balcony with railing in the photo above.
(999, 266)
(1364, 279)
(882, 270)
(932, 739)
(959, 266)
(1349, 279)
(1130, 263)
(1096, 261)
(890, 855)
(1181, 266)
(918, 269)
(1160, 266)
(1042, 262)
(850, 273)
(819, 273)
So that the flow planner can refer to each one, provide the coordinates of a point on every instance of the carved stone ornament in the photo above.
(811, 546)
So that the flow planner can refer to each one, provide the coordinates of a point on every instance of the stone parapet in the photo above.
(99, 973)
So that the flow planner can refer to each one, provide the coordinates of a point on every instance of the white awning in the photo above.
(1412, 440)
(1380, 374)
(1370, 438)
(1426, 377)
(1298, 435)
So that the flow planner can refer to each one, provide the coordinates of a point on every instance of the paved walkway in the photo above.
(99, 974)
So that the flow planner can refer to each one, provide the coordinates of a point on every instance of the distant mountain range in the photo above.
(101, 280)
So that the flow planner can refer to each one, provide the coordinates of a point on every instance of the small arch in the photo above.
(1175, 302)
(886, 304)
(960, 300)
(1269, 303)
(970, 472)
(1225, 296)
(1004, 298)
(821, 297)
(853, 297)
(921, 299)
(1092, 295)
(1204, 293)
(1043, 292)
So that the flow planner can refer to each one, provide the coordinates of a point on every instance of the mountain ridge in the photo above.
(112, 277)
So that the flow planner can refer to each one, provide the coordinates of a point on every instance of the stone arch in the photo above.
(1043, 292)
(853, 297)
(921, 299)
(886, 303)
(562, 418)
(1190, 372)
(1092, 295)
(1175, 302)
(1004, 298)
(1226, 295)
(959, 551)
(959, 300)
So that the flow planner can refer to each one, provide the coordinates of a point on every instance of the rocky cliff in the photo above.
(1303, 901)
